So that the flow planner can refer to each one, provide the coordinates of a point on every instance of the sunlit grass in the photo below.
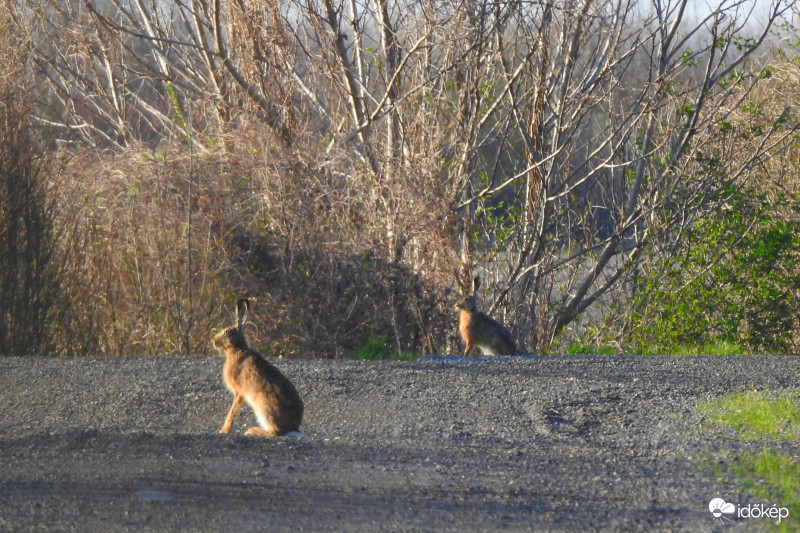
(714, 348)
(378, 350)
(755, 415)
(770, 475)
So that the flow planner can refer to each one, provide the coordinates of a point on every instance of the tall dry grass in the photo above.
(163, 241)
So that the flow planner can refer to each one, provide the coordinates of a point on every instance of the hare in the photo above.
(273, 398)
(479, 330)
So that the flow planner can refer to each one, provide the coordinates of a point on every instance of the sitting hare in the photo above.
(251, 379)
(479, 330)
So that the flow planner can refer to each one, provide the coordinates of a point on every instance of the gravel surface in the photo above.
(444, 444)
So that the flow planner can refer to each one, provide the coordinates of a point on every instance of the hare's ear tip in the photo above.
(242, 311)
(476, 283)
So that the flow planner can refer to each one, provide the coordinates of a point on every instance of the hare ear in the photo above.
(476, 283)
(243, 310)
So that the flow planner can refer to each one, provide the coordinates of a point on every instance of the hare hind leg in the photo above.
(470, 347)
(261, 432)
(266, 425)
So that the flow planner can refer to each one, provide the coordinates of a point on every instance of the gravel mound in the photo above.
(442, 444)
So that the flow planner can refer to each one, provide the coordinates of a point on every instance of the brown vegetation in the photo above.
(349, 164)
(170, 239)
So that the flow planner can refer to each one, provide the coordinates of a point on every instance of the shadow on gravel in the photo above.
(141, 479)
(446, 444)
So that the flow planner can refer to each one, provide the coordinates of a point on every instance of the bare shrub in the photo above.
(29, 275)
(167, 239)
(550, 147)
(28, 288)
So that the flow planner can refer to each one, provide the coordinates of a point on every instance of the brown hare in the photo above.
(479, 330)
(251, 379)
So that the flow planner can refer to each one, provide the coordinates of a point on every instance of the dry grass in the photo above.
(162, 242)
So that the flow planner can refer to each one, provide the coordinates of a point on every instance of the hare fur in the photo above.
(252, 379)
(479, 330)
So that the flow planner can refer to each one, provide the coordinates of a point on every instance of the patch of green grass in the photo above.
(586, 349)
(770, 475)
(755, 415)
(773, 477)
(781, 472)
(378, 350)
(713, 348)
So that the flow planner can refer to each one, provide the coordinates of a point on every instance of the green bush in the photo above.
(734, 284)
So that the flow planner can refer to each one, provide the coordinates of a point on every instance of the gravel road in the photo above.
(444, 444)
